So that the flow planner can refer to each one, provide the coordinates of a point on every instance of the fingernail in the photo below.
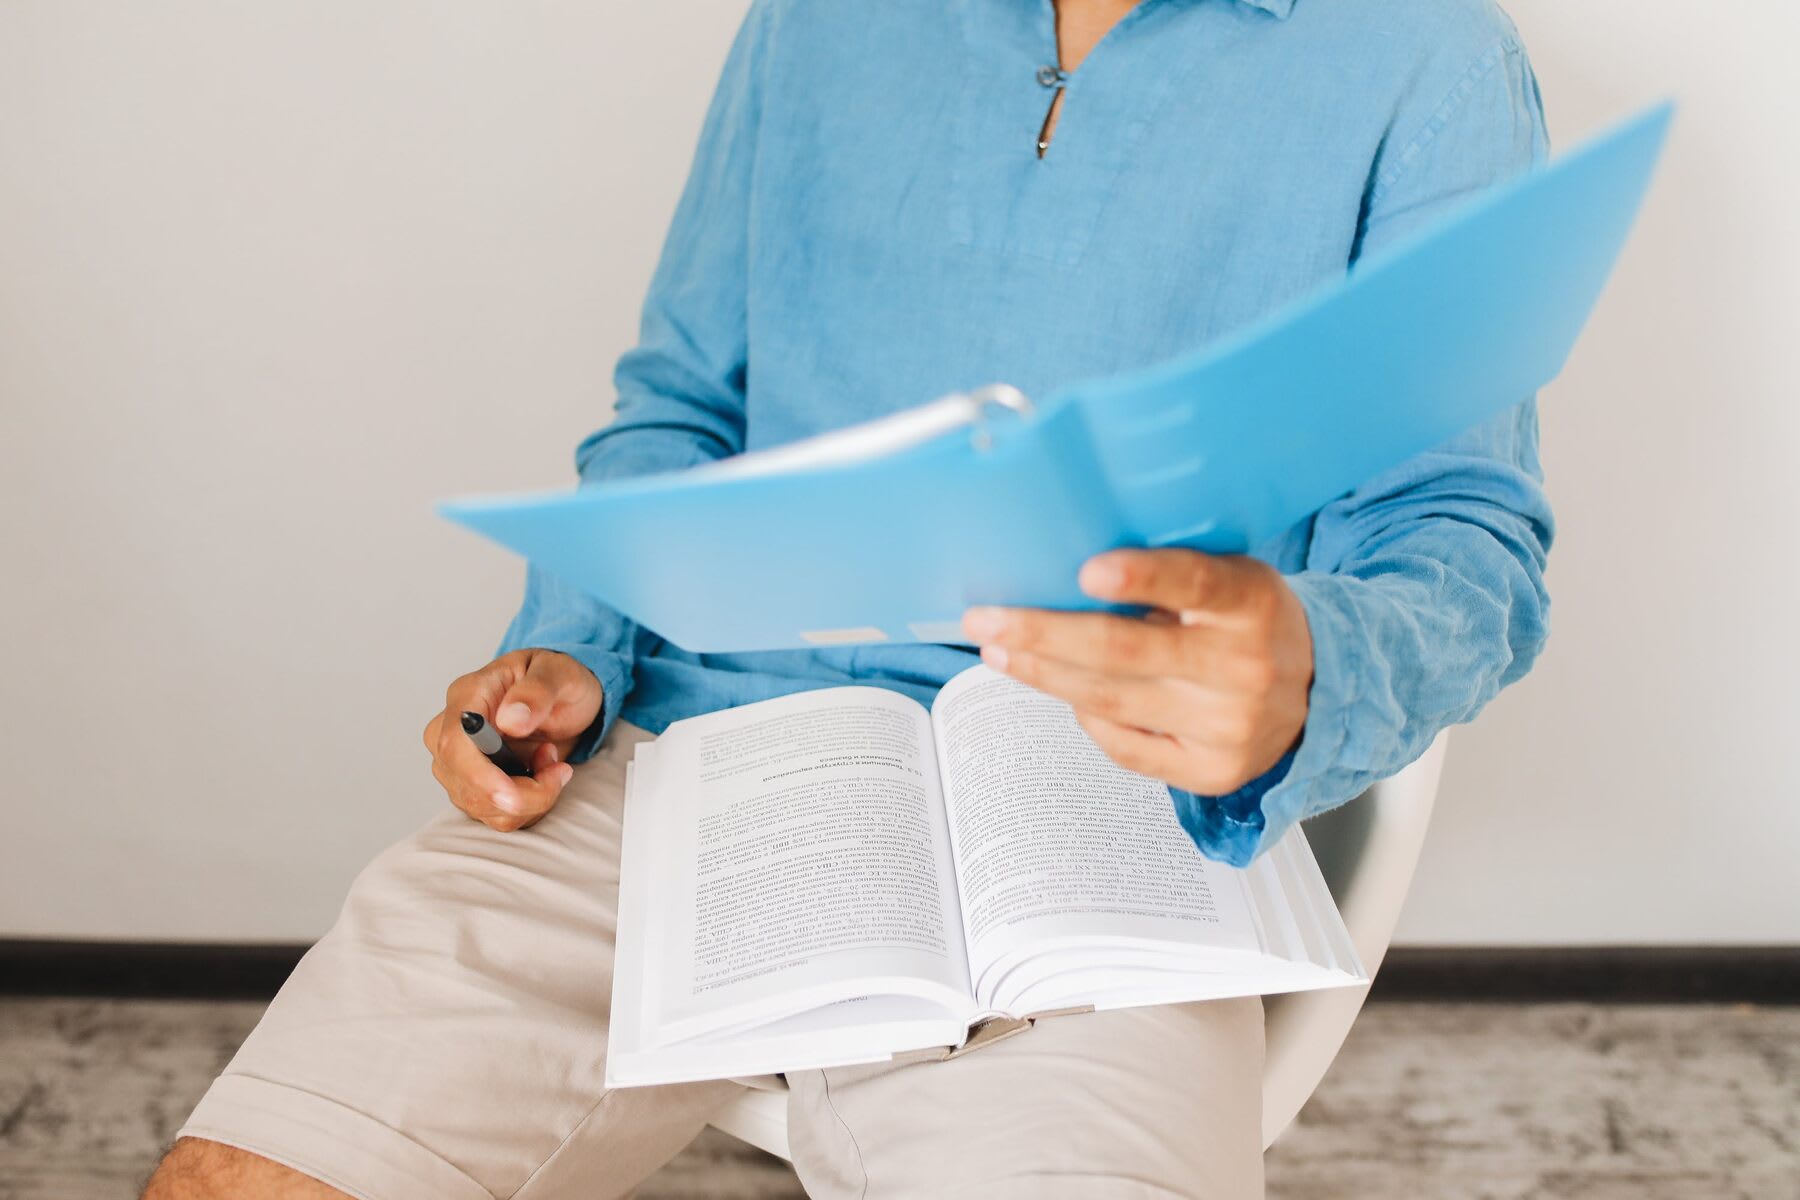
(508, 802)
(1101, 577)
(984, 623)
(994, 656)
(514, 715)
(550, 754)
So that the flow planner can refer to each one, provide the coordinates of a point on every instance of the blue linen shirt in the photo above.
(868, 225)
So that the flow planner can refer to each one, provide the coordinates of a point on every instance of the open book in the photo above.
(843, 876)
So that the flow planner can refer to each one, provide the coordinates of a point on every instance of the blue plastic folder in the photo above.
(888, 531)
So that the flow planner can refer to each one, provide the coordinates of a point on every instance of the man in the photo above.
(891, 201)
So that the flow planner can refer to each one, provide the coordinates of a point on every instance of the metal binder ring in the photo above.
(1000, 395)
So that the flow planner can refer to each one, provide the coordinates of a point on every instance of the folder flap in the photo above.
(1221, 450)
(1227, 448)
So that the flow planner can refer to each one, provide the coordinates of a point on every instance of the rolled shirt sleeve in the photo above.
(681, 388)
(1424, 587)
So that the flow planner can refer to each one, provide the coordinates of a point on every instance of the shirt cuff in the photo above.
(1229, 828)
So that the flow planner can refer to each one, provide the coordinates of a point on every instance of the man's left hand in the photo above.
(1205, 692)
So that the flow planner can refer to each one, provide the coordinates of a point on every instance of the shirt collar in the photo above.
(1279, 9)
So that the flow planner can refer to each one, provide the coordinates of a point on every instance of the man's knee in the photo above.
(197, 1169)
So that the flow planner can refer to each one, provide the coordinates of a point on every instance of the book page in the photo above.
(804, 859)
(1057, 845)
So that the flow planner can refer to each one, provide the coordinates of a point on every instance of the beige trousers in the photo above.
(446, 1041)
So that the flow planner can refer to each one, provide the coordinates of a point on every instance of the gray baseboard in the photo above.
(1514, 974)
(1597, 974)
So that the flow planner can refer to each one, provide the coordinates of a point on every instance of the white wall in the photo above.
(274, 277)
(1644, 783)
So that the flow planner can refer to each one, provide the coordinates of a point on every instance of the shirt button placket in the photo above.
(1055, 78)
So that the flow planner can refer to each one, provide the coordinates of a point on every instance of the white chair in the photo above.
(1368, 850)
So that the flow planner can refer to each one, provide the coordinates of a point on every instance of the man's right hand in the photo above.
(541, 702)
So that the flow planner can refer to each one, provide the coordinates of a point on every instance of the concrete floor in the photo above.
(1438, 1101)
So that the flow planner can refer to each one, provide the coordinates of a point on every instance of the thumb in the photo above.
(541, 700)
(1177, 580)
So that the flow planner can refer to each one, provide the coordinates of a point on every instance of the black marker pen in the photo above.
(487, 740)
